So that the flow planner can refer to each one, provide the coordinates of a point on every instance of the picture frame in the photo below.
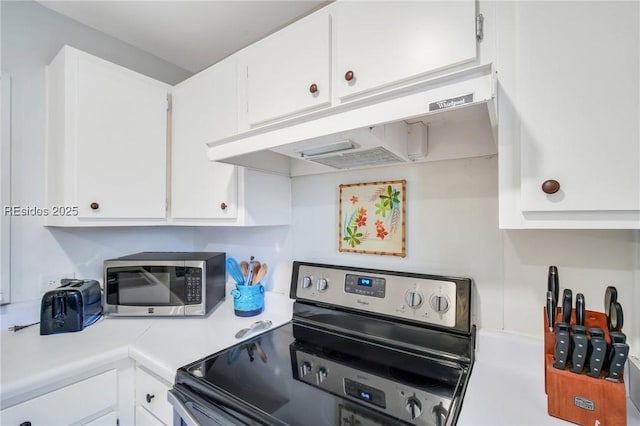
(372, 218)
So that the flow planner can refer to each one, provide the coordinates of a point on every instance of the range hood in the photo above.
(446, 117)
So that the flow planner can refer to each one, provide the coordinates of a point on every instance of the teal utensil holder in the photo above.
(248, 300)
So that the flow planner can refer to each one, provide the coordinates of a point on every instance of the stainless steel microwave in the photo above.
(164, 284)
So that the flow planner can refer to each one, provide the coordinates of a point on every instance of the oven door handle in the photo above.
(181, 409)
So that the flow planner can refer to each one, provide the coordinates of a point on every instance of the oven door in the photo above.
(190, 409)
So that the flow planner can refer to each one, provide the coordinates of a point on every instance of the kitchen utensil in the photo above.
(256, 326)
(235, 271)
(610, 296)
(567, 305)
(244, 265)
(616, 317)
(553, 283)
(551, 310)
(597, 352)
(579, 346)
(250, 272)
(256, 271)
(261, 274)
(617, 359)
(580, 309)
(562, 347)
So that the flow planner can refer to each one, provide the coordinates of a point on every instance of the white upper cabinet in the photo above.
(289, 71)
(106, 142)
(569, 114)
(380, 44)
(204, 108)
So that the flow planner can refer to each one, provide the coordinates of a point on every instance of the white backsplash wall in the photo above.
(452, 224)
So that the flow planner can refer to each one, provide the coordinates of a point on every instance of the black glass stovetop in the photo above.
(298, 374)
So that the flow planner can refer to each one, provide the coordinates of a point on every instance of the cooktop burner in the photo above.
(337, 366)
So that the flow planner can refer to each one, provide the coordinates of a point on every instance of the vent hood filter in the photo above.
(370, 157)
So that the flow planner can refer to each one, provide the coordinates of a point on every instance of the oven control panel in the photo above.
(427, 299)
(395, 398)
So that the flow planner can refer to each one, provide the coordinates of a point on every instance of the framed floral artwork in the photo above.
(372, 218)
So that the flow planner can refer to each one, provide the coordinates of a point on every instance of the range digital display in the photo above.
(365, 282)
(365, 395)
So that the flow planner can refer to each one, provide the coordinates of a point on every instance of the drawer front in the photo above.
(66, 405)
(145, 418)
(151, 393)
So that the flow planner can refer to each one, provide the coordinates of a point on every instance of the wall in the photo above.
(452, 214)
(452, 224)
(31, 36)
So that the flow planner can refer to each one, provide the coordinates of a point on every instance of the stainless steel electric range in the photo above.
(364, 347)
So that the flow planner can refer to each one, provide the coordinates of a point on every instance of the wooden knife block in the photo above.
(579, 398)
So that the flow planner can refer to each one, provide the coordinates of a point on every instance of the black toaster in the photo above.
(73, 306)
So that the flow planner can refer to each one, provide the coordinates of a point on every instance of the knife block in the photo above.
(579, 398)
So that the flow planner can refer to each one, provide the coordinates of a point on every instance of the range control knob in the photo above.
(439, 303)
(413, 299)
(414, 407)
(322, 284)
(440, 414)
(321, 375)
(305, 282)
(305, 368)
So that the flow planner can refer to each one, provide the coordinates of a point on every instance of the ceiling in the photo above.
(189, 34)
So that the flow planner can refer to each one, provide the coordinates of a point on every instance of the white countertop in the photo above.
(501, 391)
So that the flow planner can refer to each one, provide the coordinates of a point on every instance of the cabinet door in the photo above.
(204, 109)
(385, 43)
(289, 71)
(120, 142)
(578, 98)
(62, 406)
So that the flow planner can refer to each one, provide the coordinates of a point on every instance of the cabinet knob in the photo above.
(349, 75)
(550, 186)
(94, 206)
(149, 397)
(313, 88)
(223, 206)
(25, 424)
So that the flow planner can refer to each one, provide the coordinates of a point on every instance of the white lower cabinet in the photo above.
(152, 406)
(92, 401)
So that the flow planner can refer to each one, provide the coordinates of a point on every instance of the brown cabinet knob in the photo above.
(223, 206)
(349, 75)
(313, 88)
(94, 206)
(550, 186)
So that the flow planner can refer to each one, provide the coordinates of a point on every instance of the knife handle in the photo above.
(596, 333)
(579, 355)
(553, 283)
(619, 355)
(551, 310)
(597, 356)
(580, 309)
(610, 296)
(618, 337)
(567, 304)
(561, 349)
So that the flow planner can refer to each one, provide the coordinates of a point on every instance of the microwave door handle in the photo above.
(181, 409)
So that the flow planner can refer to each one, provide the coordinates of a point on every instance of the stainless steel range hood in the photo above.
(450, 116)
